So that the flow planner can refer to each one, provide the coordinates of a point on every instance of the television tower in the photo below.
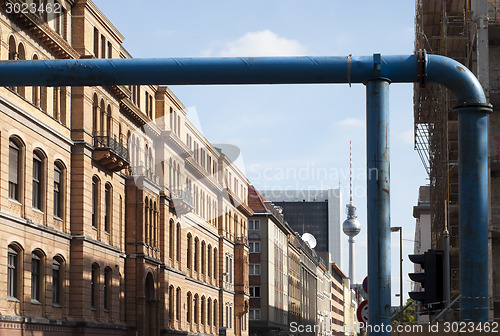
(351, 226)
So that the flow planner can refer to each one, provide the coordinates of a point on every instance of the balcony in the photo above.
(142, 171)
(182, 201)
(110, 152)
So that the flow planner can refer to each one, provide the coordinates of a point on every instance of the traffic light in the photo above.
(431, 279)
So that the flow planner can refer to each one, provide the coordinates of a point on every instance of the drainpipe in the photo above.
(473, 110)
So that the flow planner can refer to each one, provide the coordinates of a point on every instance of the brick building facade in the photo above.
(116, 215)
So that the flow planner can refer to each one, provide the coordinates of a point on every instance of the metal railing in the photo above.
(184, 194)
(146, 172)
(108, 142)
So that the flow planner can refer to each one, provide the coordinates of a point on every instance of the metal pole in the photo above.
(446, 267)
(473, 219)
(377, 138)
(400, 267)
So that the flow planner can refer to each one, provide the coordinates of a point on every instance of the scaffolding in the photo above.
(443, 28)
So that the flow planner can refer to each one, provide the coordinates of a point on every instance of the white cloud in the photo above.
(351, 122)
(407, 137)
(262, 43)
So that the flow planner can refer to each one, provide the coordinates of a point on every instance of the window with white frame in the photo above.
(254, 314)
(254, 247)
(254, 224)
(254, 269)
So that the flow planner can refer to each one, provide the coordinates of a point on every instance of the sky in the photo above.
(292, 136)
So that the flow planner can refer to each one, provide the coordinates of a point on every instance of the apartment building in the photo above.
(116, 214)
(269, 273)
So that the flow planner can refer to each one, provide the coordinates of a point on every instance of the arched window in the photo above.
(188, 307)
(94, 286)
(146, 220)
(151, 223)
(216, 314)
(35, 91)
(209, 263)
(95, 201)
(59, 187)
(12, 49)
(179, 234)
(189, 251)
(108, 279)
(178, 304)
(15, 169)
(57, 280)
(196, 302)
(14, 271)
(95, 115)
(171, 239)
(38, 180)
(102, 128)
(209, 311)
(108, 199)
(202, 309)
(196, 254)
(21, 55)
(203, 257)
(215, 263)
(171, 304)
(109, 121)
(150, 288)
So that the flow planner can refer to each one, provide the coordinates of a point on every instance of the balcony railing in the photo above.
(106, 141)
(182, 200)
(146, 172)
(110, 152)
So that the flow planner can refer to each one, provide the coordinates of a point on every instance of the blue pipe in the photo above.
(473, 106)
(473, 216)
(378, 182)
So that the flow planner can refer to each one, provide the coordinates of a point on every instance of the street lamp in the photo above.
(400, 229)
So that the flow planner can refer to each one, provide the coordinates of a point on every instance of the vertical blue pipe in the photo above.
(379, 262)
(473, 220)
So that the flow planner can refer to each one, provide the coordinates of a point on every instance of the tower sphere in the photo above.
(351, 227)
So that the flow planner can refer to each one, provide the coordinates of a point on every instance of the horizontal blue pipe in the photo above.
(193, 71)
(240, 70)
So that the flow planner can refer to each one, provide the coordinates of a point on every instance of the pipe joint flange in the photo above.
(422, 67)
(479, 108)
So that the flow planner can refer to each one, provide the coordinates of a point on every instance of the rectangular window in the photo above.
(110, 50)
(254, 269)
(12, 273)
(96, 42)
(254, 224)
(35, 278)
(103, 46)
(254, 314)
(254, 247)
(37, 182)
(56, 283)
(13, 171)
(255, 291)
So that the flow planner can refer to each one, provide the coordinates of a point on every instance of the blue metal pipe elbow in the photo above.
(457, 78)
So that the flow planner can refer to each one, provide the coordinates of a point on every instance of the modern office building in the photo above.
(116, 215)
(318, 212)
